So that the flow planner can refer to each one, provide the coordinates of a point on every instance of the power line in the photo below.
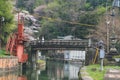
(64, 21)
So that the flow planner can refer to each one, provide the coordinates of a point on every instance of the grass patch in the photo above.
(2, 53)
(96, 74)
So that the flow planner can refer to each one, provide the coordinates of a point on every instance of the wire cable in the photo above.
(64, 21)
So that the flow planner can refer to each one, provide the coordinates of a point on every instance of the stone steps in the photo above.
(112, 74)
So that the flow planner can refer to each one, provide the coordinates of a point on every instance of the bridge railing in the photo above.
(60, 42)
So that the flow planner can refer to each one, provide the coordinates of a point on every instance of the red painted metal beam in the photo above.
(15, 44)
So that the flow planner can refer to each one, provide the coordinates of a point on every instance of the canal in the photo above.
(53, 70)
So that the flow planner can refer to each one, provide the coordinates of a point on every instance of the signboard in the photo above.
(102, 53)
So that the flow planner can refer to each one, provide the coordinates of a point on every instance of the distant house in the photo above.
(74, 55)
(69, 37)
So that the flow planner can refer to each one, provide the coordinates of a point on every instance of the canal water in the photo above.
(52, 71)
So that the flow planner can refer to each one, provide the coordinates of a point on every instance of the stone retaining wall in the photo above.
(8, 63)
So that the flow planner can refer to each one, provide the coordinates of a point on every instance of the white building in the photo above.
(74, 55)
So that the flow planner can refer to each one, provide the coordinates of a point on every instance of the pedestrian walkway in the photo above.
(112, 74)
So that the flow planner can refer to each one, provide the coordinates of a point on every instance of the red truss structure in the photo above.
(15, 44)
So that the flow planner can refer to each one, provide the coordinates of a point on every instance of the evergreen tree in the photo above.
(6, 20)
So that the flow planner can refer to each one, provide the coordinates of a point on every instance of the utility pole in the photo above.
(107, 22)
(107, 28)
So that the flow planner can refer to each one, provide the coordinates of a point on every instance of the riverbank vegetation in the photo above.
(95, 72)
(7, 24)
(2, 53)
(41, 63)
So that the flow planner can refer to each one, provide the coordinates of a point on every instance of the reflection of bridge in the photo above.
(59, 44)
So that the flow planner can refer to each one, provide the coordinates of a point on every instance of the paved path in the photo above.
(112, 74)
(84, 74)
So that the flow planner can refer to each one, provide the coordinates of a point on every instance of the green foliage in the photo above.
(7, 26)
(26, 5)
(61, 14)
(87, 6)
(95, 3)
(20, 4)
(41, 62)
(2, 53)
(117, 56)
(65, 12)
(29, 5)
(100, 10)
(39, 2)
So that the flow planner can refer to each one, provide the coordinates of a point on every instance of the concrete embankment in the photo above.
(8, 63)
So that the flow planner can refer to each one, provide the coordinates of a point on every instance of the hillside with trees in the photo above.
(80, 18)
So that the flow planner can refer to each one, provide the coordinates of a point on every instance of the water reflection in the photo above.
(62, 71)
(52, 71)
(71, 71)
(21, 78)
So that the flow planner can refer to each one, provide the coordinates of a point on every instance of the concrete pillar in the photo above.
(33, 61)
